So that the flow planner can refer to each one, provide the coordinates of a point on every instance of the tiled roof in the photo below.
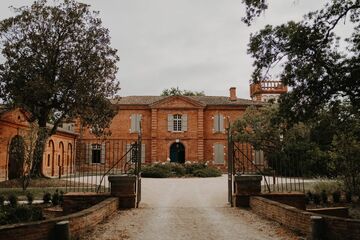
(207, 100)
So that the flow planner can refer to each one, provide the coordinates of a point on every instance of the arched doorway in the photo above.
(177, 153)
(16, 157)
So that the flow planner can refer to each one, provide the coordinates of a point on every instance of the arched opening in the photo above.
(16, 157)
(177, 153)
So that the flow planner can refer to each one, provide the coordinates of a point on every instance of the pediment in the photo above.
(16, 115)
(174, 102)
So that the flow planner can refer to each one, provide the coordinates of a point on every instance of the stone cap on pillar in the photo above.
(246, 177)
(122, 178)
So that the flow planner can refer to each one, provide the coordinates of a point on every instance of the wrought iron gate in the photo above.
(282, 174)
(96, 159)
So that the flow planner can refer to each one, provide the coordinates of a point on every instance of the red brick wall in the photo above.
(79, 223)
(299, 220)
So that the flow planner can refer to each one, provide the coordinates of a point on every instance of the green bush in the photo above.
(13, 200)
(55, 198)
(2, 200)
(30, 197)
(190, 168)
(20, 214)
(327, 185)
(155, 172)
(316, 198)
(207, 172)
(348, 196)
(336, 196)
(178, 169)
(47, 197)
(324, 196)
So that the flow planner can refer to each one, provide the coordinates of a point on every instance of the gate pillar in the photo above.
(246, 186)
(124, 187)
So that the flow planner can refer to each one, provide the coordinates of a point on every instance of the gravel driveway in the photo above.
(186, 208)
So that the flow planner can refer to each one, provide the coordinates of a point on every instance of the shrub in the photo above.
(324, 196)
(13, 200)
(55, 199)
(336, 196)
(191, 168)
(47, 197)
(327, 185)
(207, 172)
(2, 200)
(22, 214)
(155, 172)
(316, 198)
(308, 197)
(178, 169)
(348, 196)
(29, 197)
(61, 197)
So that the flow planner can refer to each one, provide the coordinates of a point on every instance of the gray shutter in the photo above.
(221, 123)
(102, 157)
(216, 123)
(259, 157)
(88, 157)
(219, 153)
(128, 155)
(138, 121)
(132, 123)
(184, 122)
(170, 122)
(142, 153)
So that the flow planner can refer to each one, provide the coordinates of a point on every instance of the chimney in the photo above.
(233, 94)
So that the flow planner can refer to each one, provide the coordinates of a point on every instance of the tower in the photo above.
(267, 90)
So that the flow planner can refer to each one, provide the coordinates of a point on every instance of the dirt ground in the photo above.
(186, 208)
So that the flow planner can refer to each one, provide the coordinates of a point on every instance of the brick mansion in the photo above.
(174, 128)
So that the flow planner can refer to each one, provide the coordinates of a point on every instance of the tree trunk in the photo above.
(39, 152)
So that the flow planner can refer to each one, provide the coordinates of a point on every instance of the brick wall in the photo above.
(299, 220)
(78, 222)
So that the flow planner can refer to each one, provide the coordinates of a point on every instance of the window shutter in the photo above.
(216, 123)
(88, 157)
(219, 153)
(102, 157)
(184, 122)
(170, 122)
(221, 123)
(259, 157)
(142, 153)
(128, 155)
(138, 121)
(132, 123)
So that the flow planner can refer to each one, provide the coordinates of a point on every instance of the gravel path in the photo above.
(186, 208)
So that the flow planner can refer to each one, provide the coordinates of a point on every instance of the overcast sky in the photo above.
(198, 45)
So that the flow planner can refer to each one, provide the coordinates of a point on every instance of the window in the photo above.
(177, 123)
(135, 123)
(95, 153)
(218, 123)
(219, 153)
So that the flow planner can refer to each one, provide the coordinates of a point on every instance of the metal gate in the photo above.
(279, 174)
(96, 159)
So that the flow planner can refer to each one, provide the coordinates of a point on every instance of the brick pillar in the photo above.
(124, 187)
(154, 135)
(200, 135)
(246, 186)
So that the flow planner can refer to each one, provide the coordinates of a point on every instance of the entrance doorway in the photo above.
(16, 157)
(177, 153)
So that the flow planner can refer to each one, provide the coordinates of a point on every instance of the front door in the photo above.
(177, 153)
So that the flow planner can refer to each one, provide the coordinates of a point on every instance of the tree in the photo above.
(319, 72)
(177, 92)
(58, 65)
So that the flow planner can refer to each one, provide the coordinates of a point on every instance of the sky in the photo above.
(198, 45)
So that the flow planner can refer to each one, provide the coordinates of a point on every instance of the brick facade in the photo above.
(198, 136)
(59, 150)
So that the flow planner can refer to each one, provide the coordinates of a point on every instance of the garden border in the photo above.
(300, 220)
(79, 223)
